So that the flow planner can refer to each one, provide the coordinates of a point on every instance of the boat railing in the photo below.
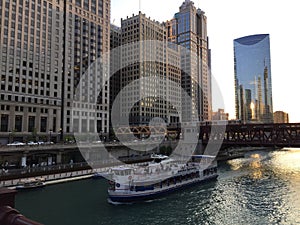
(163, 174)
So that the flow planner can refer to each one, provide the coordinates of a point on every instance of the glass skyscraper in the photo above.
(252, 73)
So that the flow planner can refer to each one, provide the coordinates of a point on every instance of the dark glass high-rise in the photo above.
(253, 83)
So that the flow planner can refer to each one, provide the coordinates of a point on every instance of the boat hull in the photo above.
(98, 176)
(30, 187)
(139, 196)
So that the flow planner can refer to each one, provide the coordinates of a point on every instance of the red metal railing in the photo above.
(9, 215)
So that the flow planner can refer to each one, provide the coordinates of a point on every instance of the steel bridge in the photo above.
(146, 131)
(256, 135)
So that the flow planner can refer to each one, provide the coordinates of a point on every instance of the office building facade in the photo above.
(220, 115)
(145, 54)
(45, 48)
(252, 74)
(281, 117)
(31, 68)
(86, 80)
(115, 73)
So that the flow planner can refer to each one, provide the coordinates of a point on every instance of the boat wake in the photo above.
(131, 203)
(155, 200)
(118, 203)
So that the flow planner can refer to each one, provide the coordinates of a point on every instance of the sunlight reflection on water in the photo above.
(287, 161)
(264, 190)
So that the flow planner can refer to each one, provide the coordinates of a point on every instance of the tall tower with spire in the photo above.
(188, 28)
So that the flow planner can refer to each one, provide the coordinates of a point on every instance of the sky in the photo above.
(231, 19)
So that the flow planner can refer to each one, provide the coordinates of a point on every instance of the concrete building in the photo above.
(115, 72)
(253, 83)
(220, 115)
(87, 40)
(154, 61)
(188, 29)
(281, 117)
(45, 48)
(31, 68)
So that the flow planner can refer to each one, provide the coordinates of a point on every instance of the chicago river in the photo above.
(262, 188)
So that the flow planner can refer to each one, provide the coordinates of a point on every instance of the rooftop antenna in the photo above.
(140, 5)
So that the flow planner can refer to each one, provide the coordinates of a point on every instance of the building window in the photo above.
(78, 2)
(86, 5)
(43, 127)
(18, 123)
(31, 123)
(99, 126)
(100, 8)
(4, 123)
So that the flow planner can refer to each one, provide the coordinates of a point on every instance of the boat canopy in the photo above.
(203, 156)
(161, 157)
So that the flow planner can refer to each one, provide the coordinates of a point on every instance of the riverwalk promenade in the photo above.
(60, 173)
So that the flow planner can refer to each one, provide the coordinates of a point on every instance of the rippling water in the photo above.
(262, 188)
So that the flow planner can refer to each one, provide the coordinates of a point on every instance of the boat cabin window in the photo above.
(202, 159)
(122, 172)
(157, 160)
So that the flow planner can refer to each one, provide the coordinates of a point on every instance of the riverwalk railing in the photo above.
(57, 172)
(8, 174)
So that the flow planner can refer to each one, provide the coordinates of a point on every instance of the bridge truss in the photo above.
(280, 135)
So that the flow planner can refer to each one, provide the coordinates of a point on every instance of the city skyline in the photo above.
(221, 36)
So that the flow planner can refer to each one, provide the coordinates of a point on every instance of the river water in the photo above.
(262, 188)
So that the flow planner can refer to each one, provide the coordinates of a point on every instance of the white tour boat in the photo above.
(161, 176)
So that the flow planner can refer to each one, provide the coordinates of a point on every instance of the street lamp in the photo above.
(58, 137)
(101, 135)
(61, 135)
(9, 136)
(50, 135)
